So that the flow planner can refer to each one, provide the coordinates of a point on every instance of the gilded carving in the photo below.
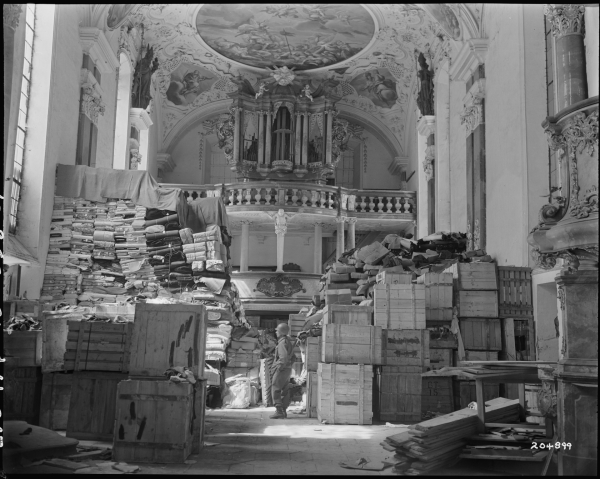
(10, 14)
(280, 286)
(565, 18)
(547, 400)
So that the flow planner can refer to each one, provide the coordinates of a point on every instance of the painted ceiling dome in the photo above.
(302, 37)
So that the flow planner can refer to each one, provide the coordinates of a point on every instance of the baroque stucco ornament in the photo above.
(91, 105)
(565, 18)
(10, 15)
(471, 117)
(280, 286)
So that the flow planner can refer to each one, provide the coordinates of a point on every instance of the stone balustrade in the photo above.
(305, 196)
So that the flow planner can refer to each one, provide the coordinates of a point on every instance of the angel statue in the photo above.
(307, 93)
(261, 90)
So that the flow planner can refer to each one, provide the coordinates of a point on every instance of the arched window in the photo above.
(281, 141)
(121, 152)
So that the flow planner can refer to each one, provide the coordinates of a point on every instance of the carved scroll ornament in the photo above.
(91, 104)
(280, 286)
(547, 400)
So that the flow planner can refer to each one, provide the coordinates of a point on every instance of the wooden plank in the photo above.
(477, 304)
(92, 405)
(312, 394)
(199, 416)
(398, 394)
(346, 314)
(474, 276)
(481, 334)
(55, 400)
(25, 345)
(313, 353)
(440, 358)
(479, 394)
(387, 277)
(468, 392)
(22, 392)
(166, 335)
(409, 347)
(55, 329)
(154, 421)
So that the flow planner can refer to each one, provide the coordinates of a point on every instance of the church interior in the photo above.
(407, 192)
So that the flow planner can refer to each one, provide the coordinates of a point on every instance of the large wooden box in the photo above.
(92, 405)
(24, 345)
(387, 277)
(22, 392)
(477, 304)
(438, 296)
(154, 421)
(345, 394)
(399, 306)
(440, 358)
(313, 353)
(442, 339)
(344, 314)
(56, 399)
(481, 334)
(437, 394)
(96, 346)
(398, 395)
(295, 323)
(468, 393)
(339, 296)
(474, 276)
(167, 335)
(514, 292)
(347, 344)
(312, 394)
(407, 349)
(55, 329)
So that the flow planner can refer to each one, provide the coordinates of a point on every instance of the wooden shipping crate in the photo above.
(399, 306)
(352, 286)
(313, 353)
(347, 344)
(437, 394)
(154, 421)
(337, 277)
(481, 355)
(312, 394)
(295, 323)
(344, 314)
(22, 392)
(246, 359)
(345, 393)
(468, 394)
(481, 334)
(440, 358)
(515, 298)
(167, 335)
(56, 398)
(92, 405)
(199, 416)
(474, 276)
(406, 349)
(387, 277)
(338, 296)
(397, 394)
(95, 346)
(55, 329)
(442, 339)
(24, 345)
(477, 304)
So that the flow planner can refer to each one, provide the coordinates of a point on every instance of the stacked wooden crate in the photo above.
(399, 305)
(158, 420)
(350, 346)
(476, 300)
(438, 298)
(98, 353)
(296, 322)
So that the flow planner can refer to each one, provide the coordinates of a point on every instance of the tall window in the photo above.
(87, 133)
(17, 175)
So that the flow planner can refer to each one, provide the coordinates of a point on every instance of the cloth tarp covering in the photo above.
(98, 184)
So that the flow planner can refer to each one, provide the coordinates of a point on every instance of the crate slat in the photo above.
(406, 349)
(345, 314)
(398, 394)
(477, 304)
(474, 276)
(399, 306)
(514, 292)
(56, 397)
(481, 334)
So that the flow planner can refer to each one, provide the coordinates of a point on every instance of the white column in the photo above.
(425, 127)
(245, 246)
(591, 42)
(329, 144)
(236, 135)
(340, 220)
(267, 158)
(261, 139)
(305, 141)
(351, 232)
(318, 263)
(280, 230)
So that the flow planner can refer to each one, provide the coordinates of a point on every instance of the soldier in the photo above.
(282, 364)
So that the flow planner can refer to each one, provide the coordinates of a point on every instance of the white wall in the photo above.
(377, 175)
(516, 149)
(295, 251)
(185, 155)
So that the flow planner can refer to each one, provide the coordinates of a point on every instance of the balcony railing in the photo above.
(306, 196)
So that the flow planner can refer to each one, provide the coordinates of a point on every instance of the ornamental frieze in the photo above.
(280, 286)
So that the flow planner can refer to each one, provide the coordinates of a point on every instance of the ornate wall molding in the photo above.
(91, 105)
(428, 162)
(165, 162)
(10, 15)
(472, 54)
(560, 292)
(426, 125)
(565, 19)
(94, 43)
(471, 117)
(140, 119)
(280, 286)
(547, 399)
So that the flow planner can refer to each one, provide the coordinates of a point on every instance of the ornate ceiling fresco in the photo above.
(369, 50)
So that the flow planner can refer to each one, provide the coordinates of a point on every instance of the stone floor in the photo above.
(246, 441)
